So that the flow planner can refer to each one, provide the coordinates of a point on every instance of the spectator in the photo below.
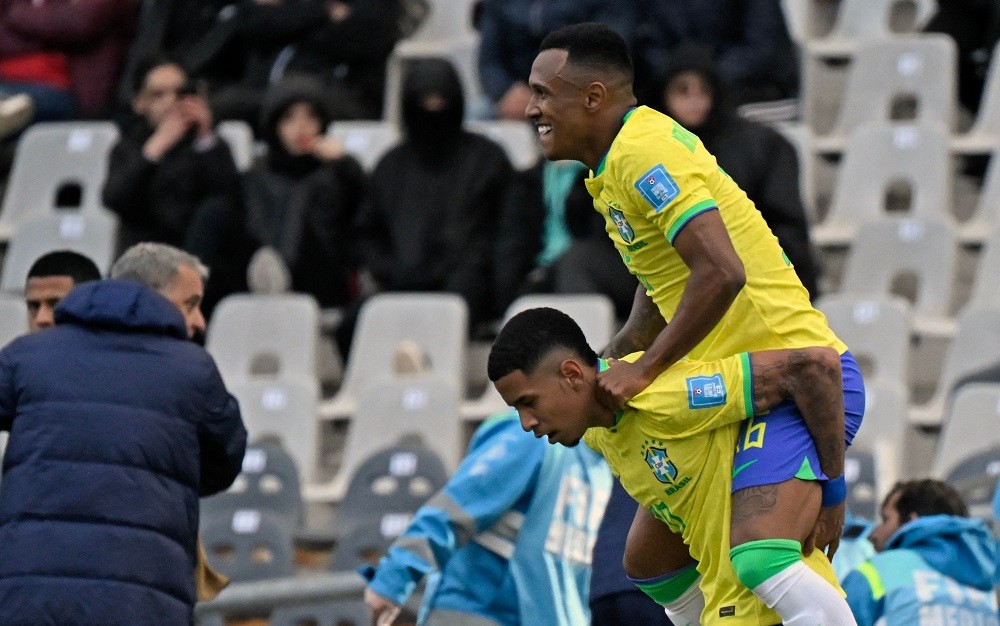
(434, 204)
(747, 38)
(110, 446)
(65, 54)
(935, 564)
(172, 180)
(303, 199)
(975, 27)
(510, 536)
(50, 279)
(512, 31)
(762, 162)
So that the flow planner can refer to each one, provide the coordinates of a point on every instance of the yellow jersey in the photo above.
(656, 177)
(673, 450)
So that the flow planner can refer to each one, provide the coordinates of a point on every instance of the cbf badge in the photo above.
(663, 468)
(624, 228)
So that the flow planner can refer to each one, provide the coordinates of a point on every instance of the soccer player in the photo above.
(707, 263)
(667, 446)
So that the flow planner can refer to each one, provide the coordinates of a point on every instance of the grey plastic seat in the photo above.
(876, 330)
(446, 19)
(284, 409)
(983, 224)
(367, 543)
(976, 478)
(986, 288)
(13, 318)
(883, 431)
(50, 156)
(436, 322)
(927, 249)
(275, 336)
(976, 345)
(918, 66)
(269, 482)
(877, 157)
(92, 234)
(984, 136)
(518, 139)
(862, 20)
(347, 613)
(862, 489)
(972, 426)
(239, 137)
(248, 545)
(366, 141)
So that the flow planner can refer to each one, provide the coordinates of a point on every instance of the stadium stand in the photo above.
(13, 317)
(970, 428)
(982, 224)
(239, 136)
(248, 545)
(322, 614)
(877, 332)
(984, 136)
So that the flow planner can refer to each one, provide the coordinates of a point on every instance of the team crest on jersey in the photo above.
(663, 468)
(624, 228)
(658, 188)
(706, 391)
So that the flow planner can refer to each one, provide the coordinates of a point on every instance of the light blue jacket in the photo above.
(938, 569)
(510, 536)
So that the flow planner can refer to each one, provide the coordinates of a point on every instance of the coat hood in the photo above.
(277, 101)
(959, 547)
(121, 305)
(433, 106)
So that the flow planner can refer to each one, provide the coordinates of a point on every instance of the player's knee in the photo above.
(756, 561)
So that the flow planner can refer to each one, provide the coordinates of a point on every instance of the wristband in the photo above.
(834, 491)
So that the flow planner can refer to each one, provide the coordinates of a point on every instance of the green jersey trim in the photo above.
(747, 384)
(604, 159)
(687, 216)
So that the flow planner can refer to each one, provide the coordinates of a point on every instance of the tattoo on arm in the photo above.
(754, 501)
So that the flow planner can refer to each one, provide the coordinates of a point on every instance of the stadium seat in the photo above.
(518, 139)
(248, 545)
(367, 543)
(877, 331)
(595, 313)
(436, 322)
(878, 158)
(345, 613)
(972, 426)
(395, 480)
(922, 67)
(446, 19)
(92, 234)
(888, 249)
(982, 224)
(239, 136)
(282, 409)
(366, 141)
(49, 157)
(274, 336)
(984, 136)
(390, 409)
(976, 345)
(883, 431)
(862, 478)
(269, 482)
(862, 20)
(13, 318)
(462, 52)
(975, 477)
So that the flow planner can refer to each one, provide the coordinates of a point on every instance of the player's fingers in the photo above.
(810, 543)
(830, 551)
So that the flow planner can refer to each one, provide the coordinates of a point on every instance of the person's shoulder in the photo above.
(649, 139)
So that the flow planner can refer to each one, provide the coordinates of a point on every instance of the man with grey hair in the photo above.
(117, 425)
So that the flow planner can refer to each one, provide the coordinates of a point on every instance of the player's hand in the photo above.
(828, 530)
(384, 610)
(620, 383)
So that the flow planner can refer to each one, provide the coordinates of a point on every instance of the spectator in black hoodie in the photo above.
(762, 162)
(303, 199)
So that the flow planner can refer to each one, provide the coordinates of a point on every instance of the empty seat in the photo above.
(93, 235)
(518, 139)
(975, 477)
(239, 137)
(368, 543)
(248, 545)
(13, 318)
(861, 20)
(982, 224)
(888, 250)
(972, 426)
(343, 613)
(269, 482)
(265, 336)
(436, 322)
(49, 157)
(883, 431)
(284, 410)
(877, 332)
(366, 141)
(862, 491)
(911, 160)
(445, 19)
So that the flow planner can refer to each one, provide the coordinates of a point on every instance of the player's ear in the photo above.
(572, 372)
(596, 93)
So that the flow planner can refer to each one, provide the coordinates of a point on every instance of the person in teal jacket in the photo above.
(507, 542)
(935, 564)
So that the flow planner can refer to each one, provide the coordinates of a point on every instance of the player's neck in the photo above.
(608, 130)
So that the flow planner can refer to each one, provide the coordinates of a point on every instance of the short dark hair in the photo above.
(592, 44)
(65, 263)
(529, 336)
(145, 66)
(928, 497)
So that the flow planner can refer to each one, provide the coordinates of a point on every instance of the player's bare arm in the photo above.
(642, 327)
(717, 276)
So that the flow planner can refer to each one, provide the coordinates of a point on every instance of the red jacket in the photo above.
(94, 34)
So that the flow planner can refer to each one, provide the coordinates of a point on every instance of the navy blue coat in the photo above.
(117, 424)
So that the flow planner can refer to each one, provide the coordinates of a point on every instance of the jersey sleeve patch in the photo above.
(658, 188)
(706, 391)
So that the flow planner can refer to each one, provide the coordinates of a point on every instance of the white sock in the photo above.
(804, 598)
(686, 610)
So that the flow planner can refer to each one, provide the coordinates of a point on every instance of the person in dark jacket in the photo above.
(171, 179)
(762, 162)
(118, 423)
(435, 200)
(302, 200)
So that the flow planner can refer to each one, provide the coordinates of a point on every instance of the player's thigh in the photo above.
(652, 549)
(786, 510)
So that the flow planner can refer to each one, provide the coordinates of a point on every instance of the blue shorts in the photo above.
(776, 447)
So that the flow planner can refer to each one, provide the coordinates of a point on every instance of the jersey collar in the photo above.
(604, 159)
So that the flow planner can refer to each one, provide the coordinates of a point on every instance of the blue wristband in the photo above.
(834, 491)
